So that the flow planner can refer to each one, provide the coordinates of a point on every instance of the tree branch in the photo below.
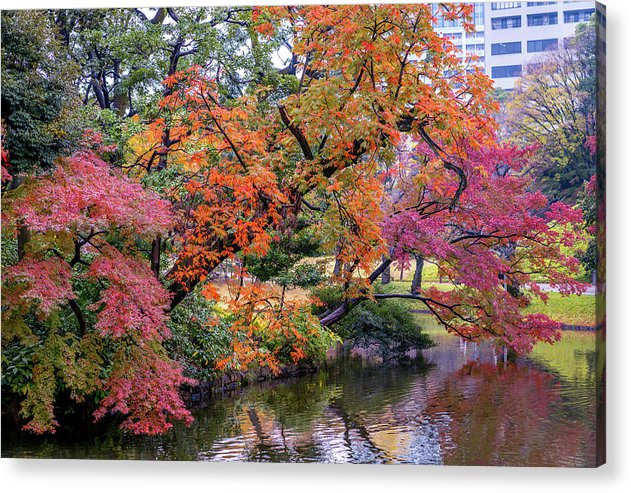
(83, 328)
(342, 310)
(297, 133)
(441, 154)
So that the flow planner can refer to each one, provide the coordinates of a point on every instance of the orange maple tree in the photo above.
(366, 77)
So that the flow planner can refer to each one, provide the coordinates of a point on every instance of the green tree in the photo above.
(553, 105)
(39, 96)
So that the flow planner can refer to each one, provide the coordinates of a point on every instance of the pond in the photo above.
(458, 404)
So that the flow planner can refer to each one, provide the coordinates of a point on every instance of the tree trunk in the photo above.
(83, 328)
(418, 275)
(24, 237)
(338, 267)
(155, 256)
(385, 275)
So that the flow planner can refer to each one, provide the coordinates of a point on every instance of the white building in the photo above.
(516, 32)
(468, 43)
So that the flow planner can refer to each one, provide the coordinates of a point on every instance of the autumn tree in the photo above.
(39, 98)
(489, 247)
(368, 76)
(81, 308)
(125, 54)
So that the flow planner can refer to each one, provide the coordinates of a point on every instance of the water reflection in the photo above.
(458, 405)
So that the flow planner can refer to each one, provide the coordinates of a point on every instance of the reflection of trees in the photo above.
(501, 416)
(327, 414)
(357, 439)
(296, 404)
(479, 413)
(464, 410)
(375, 388)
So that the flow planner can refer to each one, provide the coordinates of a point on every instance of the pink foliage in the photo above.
(71, 213)
(499, 234)
(4, 160)
(93, 140)
(47, 282)
(39, 428)
(134, 301)
(144, 387)
(84, 193)
(592, 144)
(6, 176)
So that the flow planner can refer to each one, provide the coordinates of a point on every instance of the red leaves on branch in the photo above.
(83, 194)
(134, 302)
(75, 216)
(143, 387)
(499, 236)
(44, 282)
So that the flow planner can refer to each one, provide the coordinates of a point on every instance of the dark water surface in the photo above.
(460, 405)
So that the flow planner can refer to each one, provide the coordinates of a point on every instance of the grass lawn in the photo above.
(572, 310)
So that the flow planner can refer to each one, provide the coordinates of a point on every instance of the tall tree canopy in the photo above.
(554, 105)
(38, 91)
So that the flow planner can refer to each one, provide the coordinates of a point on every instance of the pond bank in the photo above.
(196, 394)
(229, 382)
(582, 328)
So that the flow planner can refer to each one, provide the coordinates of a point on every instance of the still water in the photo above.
(459, 404)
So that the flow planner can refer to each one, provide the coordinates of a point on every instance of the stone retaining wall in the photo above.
(228, 382)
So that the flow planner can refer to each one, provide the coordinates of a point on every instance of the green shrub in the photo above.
(387, 326)
(301, 276)
(194, 343)
(329, 296)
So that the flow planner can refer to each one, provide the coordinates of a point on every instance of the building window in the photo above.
(505, 5)
(478, 14)
(478, 34)
(601, 19)
(538, 45)
(504, 71)
(506, 22)
(543, 19)
(474, 47)
(440, 21)
(539, 4)
(577, 15)
(506, 48)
